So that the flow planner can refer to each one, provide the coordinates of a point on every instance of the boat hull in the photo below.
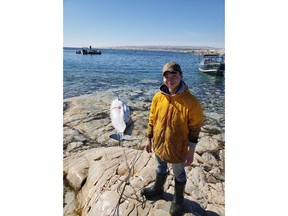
(89, 52)
(92, 52)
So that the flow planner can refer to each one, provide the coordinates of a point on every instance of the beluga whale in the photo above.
(120, 118)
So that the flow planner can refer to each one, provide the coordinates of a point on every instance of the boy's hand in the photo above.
(189, 157)
(149, 146)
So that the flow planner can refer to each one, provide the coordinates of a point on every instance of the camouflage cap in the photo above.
(171, 67)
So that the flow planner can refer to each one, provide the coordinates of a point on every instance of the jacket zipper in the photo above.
(168, 113)
(167, 116)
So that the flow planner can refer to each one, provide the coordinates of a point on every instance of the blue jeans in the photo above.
(178, 169)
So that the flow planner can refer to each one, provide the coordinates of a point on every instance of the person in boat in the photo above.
(175, 119)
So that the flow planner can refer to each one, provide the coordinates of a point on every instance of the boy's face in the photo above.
(172, 80)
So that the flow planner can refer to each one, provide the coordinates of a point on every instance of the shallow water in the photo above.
(139, 73)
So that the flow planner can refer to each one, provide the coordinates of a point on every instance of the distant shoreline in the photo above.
(197, 50)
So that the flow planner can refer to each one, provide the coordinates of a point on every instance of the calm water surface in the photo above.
(132, 69)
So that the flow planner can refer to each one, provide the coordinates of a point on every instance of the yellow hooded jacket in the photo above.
(174, 121)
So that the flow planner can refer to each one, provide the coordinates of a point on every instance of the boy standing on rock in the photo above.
(174, 125)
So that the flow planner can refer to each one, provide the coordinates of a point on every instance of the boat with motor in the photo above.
(213, 64)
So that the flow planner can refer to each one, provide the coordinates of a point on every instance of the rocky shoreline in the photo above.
(103, 178)
(197, 50)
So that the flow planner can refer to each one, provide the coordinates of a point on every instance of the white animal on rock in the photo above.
(120, 116)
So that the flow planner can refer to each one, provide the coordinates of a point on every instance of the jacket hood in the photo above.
(164, 89)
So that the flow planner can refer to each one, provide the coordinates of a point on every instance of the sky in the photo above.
(102, 23)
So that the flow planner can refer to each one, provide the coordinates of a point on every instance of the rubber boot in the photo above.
(156, 189)
(177, 201)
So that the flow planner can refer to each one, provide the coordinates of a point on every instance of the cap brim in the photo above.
(173, 72)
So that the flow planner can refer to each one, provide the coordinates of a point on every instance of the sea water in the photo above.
(138, 69)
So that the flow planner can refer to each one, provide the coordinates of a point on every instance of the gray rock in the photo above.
(103, 178)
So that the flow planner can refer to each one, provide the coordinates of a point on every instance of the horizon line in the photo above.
(151, 46)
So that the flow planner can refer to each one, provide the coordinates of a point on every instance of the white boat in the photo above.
(212, 64)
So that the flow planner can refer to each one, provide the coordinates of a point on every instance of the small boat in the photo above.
(212, 64)
(86, 51)
(91, 51)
